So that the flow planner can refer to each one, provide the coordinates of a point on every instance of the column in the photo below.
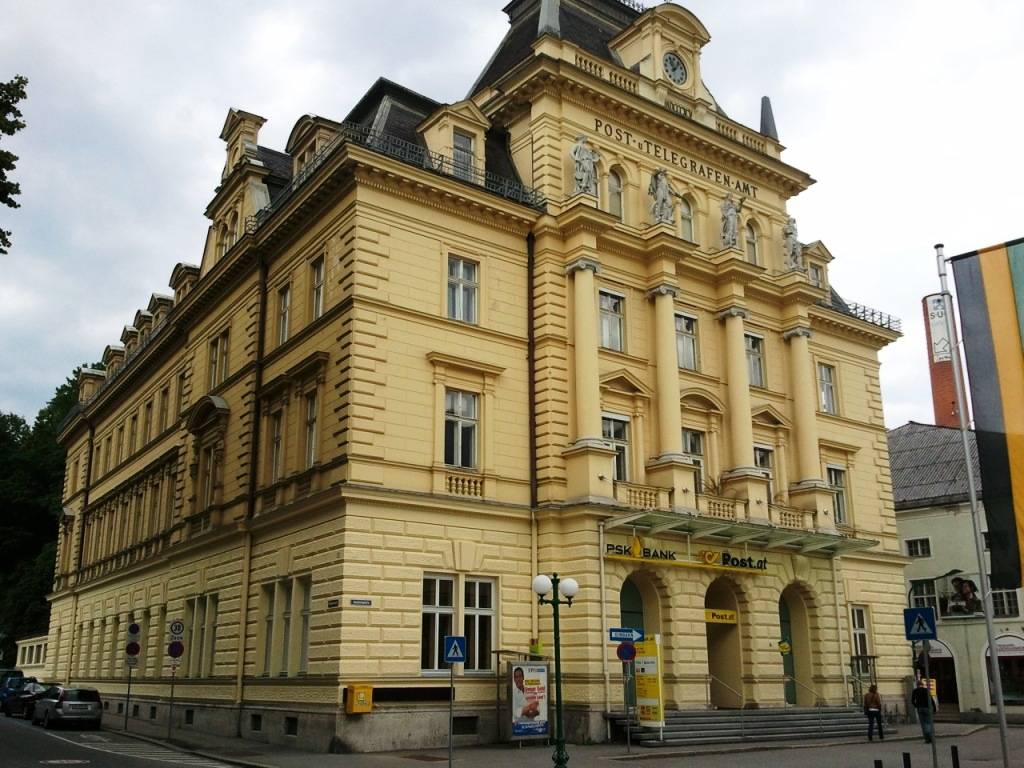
(805, 405)
(741, 431)
(670, 426)
(588, 383)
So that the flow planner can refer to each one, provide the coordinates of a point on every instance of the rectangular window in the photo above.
(986, 539)
(463, 284)
(859, 622)
(764, 458)
(686, 342)
(827, 388)
(755, 359)
(180, 406)
(120, 444)
(311, 410)
(1004, 603)
(460, 424)
(147, 423)
(276, 445)
(133, 432)
(284, 308)
(165, 404)
(816, 276)
(108, 452)
(206, 492)
(922, 594)
(267, 609)
(306, 586)
(919, 548)
(611, 320)
(478, 624)
(615, 430)
(219, 360)
(286, 626)
(837, 483)
(316, 270)
(463, 156)
(437, 616)
(73, 480)
(693, 448)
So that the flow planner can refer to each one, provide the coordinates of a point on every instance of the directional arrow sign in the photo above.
(919, 623)
(625, 634)
(455, 649)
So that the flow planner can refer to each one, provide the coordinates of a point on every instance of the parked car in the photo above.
(59, 704)
(12, 683)
(23, 702)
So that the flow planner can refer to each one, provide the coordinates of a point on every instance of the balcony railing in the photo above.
(722, 508)
(790, 517)
(641, 496)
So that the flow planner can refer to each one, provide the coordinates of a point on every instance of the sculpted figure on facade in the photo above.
(585, 167)
(662, 194)
(731, 220)
(791, 246)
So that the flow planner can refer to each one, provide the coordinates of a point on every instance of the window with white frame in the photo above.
(316, 278)
(615, 195)
(438, 615)
(615, 431)
(463, 285)
(311, 413)
(478, 624)
(306, 589)
(612, 306)
(860, 636)
(764, 459)
(837, 484)
(284, 310)
(1004, 603)
(827, 388)
(276, 445)
(463, 155)
(755, 359)
(208, 470)
(267, 611)
(686, 342)
(686, 219)
(750, 236)
(460, 428)
(201, 619)
(919, 547)
(693, 448)
(922, 594)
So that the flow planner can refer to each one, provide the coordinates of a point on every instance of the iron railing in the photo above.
(865, 313)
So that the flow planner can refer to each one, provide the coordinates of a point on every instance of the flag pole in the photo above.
(972, 495)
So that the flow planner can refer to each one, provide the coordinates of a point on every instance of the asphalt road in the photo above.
(23, 744)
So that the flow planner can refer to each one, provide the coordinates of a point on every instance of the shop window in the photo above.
(612, 307)
(615, 431)
(463, 287)
(922, 594)
(686, 342)
(478, 624)
(316, 271)
(686, 219)
(437, 620)
(827, 388)
(919, 548)
(463, 156)
(284, 310)
(755, 359)
(615, 207)
(693, 448)
(460, 428)
(837, 484)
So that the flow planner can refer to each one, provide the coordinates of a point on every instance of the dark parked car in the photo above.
(11, 685)
(78, 706)
(23, 702)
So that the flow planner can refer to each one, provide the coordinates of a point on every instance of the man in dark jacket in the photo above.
(921, 700)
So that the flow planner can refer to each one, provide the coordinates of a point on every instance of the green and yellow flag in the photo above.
(990, 294)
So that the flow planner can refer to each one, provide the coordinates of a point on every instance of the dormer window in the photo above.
(463, 156)
(816, 275)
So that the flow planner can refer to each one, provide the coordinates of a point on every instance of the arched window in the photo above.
(686, 219)
(233, 229)
(222, 241)
(751, 237)
(615, 207)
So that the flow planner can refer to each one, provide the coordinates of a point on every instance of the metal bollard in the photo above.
(906, 760)
(954, 753)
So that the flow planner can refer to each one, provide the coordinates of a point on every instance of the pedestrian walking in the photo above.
(921, 700)
(873, 710)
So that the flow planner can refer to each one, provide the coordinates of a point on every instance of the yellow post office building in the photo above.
(432, 350)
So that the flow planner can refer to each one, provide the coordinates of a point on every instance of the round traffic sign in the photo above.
(177, 627)
(132, 649)
(176, 650)
(626, 651)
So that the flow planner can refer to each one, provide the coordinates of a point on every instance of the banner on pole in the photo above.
(650, 699)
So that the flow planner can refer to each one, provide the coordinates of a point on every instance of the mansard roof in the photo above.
(927, 464)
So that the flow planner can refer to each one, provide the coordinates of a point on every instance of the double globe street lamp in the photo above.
(568, 589)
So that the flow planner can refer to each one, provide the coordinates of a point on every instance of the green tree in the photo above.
(11, 93)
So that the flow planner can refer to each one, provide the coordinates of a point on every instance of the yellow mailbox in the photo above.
(358, 699)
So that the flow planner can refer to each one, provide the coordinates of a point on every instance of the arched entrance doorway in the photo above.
(942, 667)
(725, 651)
(795, 634)
(1011, 669)
(638, 609)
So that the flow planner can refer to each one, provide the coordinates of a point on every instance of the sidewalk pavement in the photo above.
(973, 740)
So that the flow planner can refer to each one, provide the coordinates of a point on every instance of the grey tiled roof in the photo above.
(928, 465)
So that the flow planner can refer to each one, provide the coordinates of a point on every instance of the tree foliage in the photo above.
(31, 484)
(11, 93)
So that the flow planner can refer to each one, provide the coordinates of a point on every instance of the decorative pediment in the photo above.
(699, 400)
(623, 381)
(312, 367)
(209, 412)
(818, 251)
(769, 416)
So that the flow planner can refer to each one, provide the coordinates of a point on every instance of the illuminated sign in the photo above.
(637, 551)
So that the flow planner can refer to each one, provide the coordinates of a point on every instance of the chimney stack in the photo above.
(940, 362)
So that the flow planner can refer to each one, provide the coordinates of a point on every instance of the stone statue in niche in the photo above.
(791, 246)
(663, 204)
(731, 220)
(585, 167)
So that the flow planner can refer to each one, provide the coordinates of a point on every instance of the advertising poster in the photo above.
(529, 697)
(650, 703)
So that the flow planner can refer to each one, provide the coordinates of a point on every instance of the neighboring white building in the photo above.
(31, 656)
(933, 517)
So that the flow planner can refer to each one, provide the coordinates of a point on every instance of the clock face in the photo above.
(674, 68)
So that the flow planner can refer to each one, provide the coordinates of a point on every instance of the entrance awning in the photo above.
(733, 532)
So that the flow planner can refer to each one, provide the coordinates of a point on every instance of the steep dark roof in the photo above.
(365, 110)
(278, 163)
(928, 465)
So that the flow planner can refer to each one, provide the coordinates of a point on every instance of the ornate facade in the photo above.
(434, 349)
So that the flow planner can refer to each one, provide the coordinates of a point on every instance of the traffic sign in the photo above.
(132, 647)
(627, 634)
(176, 630)
(919, 623)
(455, 649)
(626, 651)
(176, 649)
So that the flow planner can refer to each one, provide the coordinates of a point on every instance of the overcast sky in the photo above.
(908, 115)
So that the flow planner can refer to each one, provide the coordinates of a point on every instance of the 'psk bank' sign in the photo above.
(636, 550)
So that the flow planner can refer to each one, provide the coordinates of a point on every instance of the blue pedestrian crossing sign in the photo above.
(919, 623)
(455, 649)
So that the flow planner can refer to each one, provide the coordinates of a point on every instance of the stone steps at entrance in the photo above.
(730, 726)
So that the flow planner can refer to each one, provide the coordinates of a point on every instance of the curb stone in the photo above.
(191, 751)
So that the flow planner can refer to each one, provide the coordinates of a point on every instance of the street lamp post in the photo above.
(567, 588)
